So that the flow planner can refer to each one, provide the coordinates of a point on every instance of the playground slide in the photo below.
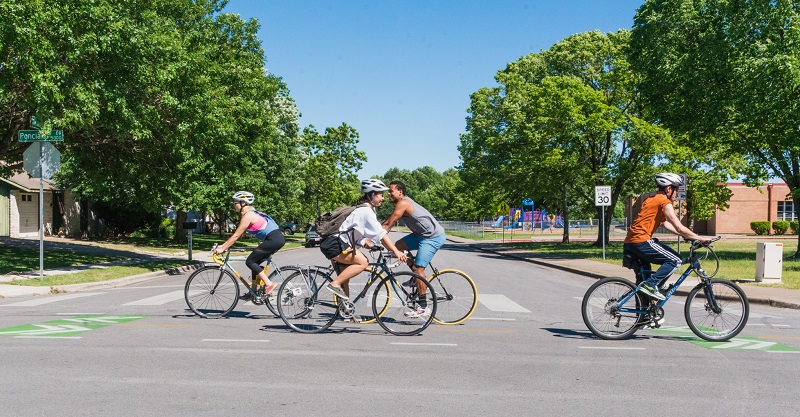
(499, 222)
(515, 225)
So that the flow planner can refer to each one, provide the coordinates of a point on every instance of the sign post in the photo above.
(680, 197)
(602, 198)
(41, 160)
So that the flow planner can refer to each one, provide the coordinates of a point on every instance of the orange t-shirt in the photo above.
(650, 217)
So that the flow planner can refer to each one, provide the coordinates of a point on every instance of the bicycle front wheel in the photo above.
(456, 296)
(601, 309)
(361, 296)
(211, 292)
(304, 304)
(408, 311)
(717, 310)
(277, 276)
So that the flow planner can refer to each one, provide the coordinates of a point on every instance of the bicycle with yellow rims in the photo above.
(306, 306)
(456, 294)
(213, 291)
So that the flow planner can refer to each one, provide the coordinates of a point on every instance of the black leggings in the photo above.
(271, 244)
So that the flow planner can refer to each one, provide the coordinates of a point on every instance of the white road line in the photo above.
(236, 340)
(50, 299)
(783, 351)
(491, 318)
(151, 286)
(47, 337)
(158, 299)
(765, 324)
(499, 302)
(611, 347)
(423, 344)
(80, 314)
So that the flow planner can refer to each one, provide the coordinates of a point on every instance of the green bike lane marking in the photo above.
(66, 327)
(737, 343)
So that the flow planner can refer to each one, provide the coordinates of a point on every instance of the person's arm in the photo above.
(387, 243)
(243, 224)
(399, 210)
(673, 225)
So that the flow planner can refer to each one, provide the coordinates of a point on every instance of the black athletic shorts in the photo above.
(332, 246)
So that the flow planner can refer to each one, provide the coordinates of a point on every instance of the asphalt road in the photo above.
(525, 350)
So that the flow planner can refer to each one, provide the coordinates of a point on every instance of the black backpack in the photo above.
(329, 223)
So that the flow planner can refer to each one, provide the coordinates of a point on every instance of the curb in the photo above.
(753, 300)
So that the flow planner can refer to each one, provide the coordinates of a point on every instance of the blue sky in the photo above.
(401, 72)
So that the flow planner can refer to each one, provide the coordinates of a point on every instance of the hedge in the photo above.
(761, 228)
(780, 226)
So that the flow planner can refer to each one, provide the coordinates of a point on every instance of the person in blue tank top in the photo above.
(427, 235)
(263, 228)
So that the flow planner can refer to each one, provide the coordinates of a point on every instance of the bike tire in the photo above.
(211, 292)
(402, 300)
(722, 325)
(601, 313)
(456, 296)
(278, 275)
(306, 306)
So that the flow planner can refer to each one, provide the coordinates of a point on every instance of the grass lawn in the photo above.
(737, 257)
(18, 260)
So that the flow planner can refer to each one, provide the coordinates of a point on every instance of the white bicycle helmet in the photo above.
(370, 185)
(244, 196)
(667, 178)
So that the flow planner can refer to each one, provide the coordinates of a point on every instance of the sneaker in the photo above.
(652, 292)
(339, 291)
(412, 282)
(417, 312)
(246, 296)
(268, 290)
(355, 319)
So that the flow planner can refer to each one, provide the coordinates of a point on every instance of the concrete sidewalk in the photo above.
(756, 293)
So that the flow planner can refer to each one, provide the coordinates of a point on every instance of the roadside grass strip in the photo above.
(737, 343)
(66, 327)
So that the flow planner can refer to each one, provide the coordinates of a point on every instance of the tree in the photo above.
(330, 177)
(724, 72)
(561, 122)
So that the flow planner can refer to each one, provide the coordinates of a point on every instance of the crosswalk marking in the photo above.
(499, 302)
(49, 299)
(158, 299)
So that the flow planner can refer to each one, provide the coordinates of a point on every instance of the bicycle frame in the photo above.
(225, 265)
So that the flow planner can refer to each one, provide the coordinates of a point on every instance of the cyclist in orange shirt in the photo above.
(657, 210)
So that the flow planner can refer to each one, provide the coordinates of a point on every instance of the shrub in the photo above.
(780, 226)
(795, 226)
(761, 228)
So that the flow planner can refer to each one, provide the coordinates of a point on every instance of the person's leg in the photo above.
(426, 249)
(271, 244)
(353, 263)
(654, 252)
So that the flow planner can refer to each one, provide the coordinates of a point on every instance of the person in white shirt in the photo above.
(359, 230)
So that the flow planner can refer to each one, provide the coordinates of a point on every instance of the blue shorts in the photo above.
(426, 247)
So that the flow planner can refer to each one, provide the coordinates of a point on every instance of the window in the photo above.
(27, 197)
(786, 210)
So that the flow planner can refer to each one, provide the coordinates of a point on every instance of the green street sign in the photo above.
(33, 136)
(35, 123)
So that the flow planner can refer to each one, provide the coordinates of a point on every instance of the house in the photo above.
(63, 214)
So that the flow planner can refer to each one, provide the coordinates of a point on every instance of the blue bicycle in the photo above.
(716, 309)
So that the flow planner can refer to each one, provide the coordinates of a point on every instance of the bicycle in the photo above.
(716, 309)
(456, 294)
(212, 291)
(306, 306)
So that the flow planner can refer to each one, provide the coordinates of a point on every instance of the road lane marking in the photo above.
(478, 331)
(50, 299)
(80, 314)
(66, 327)
(423, 344)
(158, 299)
(611, 347)
(492, 318)
(236, 340)
(499, 302)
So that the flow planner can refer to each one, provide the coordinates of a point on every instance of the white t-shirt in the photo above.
(365, 224)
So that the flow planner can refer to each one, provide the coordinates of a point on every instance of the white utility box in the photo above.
(769, 262)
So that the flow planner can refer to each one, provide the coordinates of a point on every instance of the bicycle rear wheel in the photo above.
(456, 296)
(408, 312)
(277, 276)
(716, 311)
(211, 292)
(600, 309)
(304, 304)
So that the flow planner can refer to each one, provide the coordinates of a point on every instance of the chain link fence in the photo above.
(491, 229)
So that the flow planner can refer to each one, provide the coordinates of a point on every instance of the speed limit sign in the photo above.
(602, 195)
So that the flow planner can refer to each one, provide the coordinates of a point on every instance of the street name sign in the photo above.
(33, 136)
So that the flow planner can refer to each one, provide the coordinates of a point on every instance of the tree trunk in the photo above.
(181, 234)
(565, 218)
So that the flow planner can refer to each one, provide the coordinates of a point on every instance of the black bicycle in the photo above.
(306, 306)
(715, 310)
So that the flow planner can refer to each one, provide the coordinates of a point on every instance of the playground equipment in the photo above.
(499, 222)
(530, 218)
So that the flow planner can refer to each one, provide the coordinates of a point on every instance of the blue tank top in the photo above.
(268, 227)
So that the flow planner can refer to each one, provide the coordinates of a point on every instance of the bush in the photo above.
(780, 226)
(761, 228)
(795, 226)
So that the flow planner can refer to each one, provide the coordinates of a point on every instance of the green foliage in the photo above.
(780, 226)
(794, 225)
(760, 227)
